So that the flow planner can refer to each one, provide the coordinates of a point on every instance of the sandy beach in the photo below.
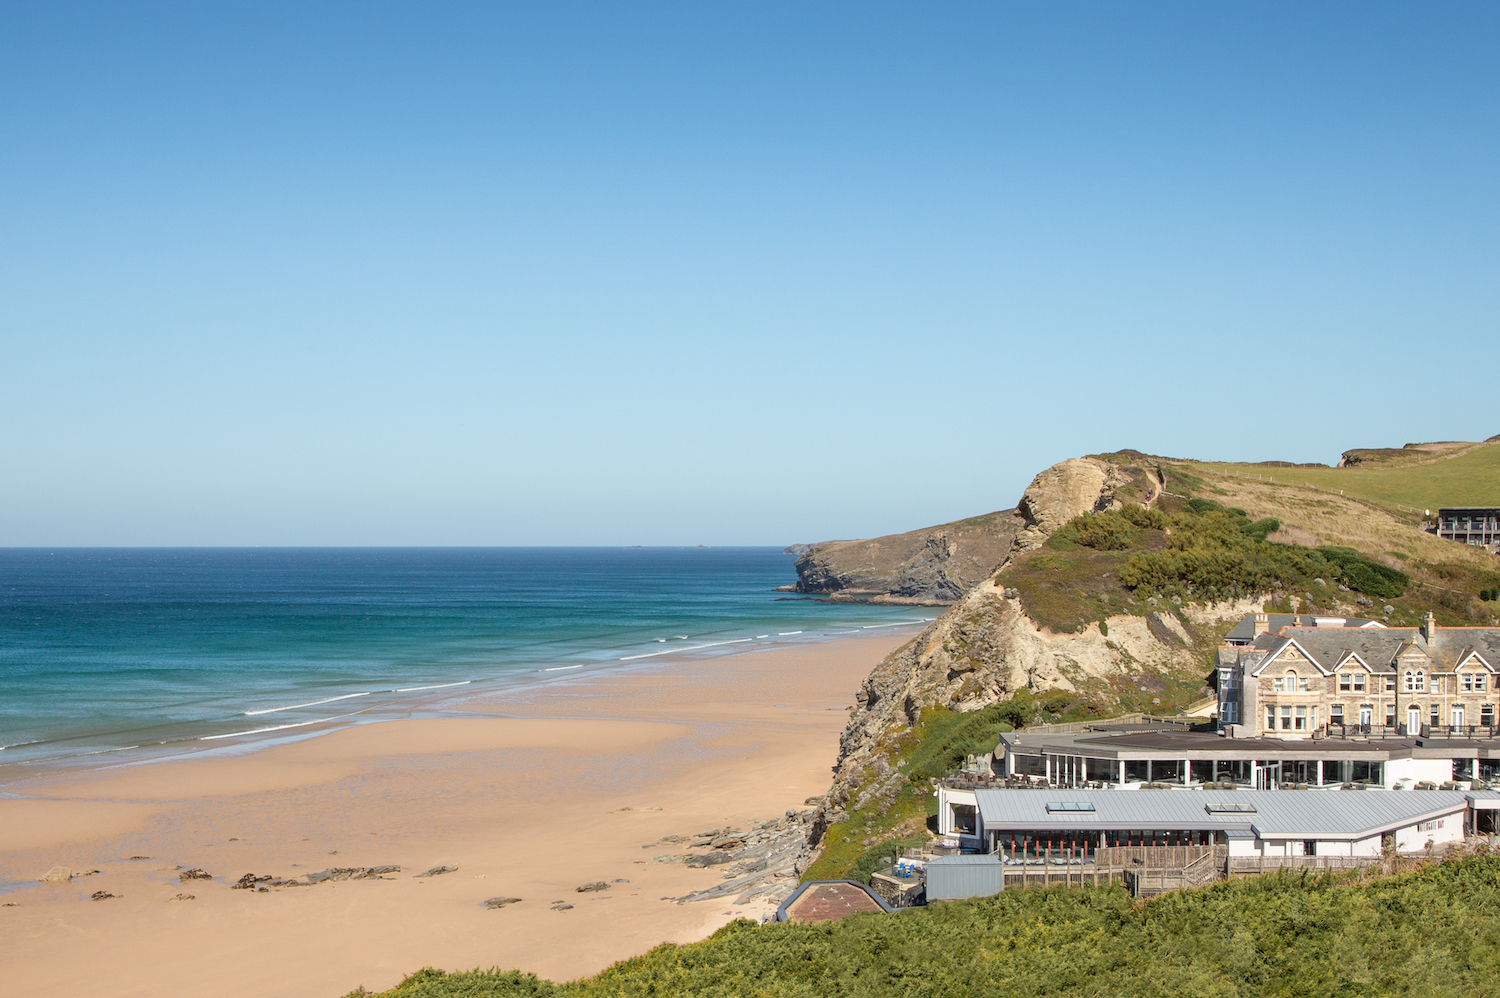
(563, 785)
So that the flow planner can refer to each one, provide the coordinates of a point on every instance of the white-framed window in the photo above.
(1478, 682)
(1487, 714)
(1286, 718)
(1280, 686)
(1359, 682)
(1270, 718)
(1416, 682)
(1231, 712)
(1472, 682)
(1335, 713)
(1435, 716)
(1390, 684)
(1346, 682)
(1301, 719)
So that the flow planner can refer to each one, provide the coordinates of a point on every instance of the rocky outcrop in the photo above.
(1070, 488)
(933, 566)
(762, 862)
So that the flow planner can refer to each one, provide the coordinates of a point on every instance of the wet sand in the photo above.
(562, 786)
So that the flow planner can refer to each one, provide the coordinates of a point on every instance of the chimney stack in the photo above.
(1429, 627)
(1262, 624)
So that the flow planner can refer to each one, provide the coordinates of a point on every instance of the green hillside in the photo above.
(1472, 478)
(1434, 933)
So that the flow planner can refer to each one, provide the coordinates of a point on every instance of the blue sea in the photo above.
(159, 650)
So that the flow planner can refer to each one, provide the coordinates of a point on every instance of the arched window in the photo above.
(1416, 682)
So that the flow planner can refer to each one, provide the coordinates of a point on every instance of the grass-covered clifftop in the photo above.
(1434, 932)
(1420, 476)
(1213, 537)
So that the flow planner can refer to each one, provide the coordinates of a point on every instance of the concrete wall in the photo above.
(1417, 770)
(946, 799)
(1414, 838)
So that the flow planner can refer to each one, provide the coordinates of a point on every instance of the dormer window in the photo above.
(1359, 682)
(1345, 682)
(1472, 682)
(1416, 682)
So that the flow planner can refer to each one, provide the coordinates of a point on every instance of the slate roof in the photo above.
(1378, 647)
(1244, 631)
(1279, 814)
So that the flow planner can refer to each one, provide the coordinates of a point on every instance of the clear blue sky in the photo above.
(630, 273)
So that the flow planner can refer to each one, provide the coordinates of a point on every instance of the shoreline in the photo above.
(425, 700)
(530, 794)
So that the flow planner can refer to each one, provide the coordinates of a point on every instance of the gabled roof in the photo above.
(1354, 656)
(1285, 641)
(1471, 655)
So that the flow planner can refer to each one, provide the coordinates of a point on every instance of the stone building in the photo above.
(1301, 681)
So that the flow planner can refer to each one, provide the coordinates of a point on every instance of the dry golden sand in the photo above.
(528, 806)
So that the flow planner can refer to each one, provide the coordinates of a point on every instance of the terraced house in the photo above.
(1312, 678)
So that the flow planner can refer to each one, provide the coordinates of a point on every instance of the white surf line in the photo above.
(561, 668)
(439, 686)
(310, 703)
(760, 636)
(898, 623)
(261, 731)
(673, 651)
(786, 634)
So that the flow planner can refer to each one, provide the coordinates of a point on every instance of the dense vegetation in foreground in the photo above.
(1434, 932)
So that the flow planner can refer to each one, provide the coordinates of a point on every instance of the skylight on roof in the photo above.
(1070, 805)
(1229, 807)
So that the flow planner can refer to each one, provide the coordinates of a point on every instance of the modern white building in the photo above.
(1024, 825)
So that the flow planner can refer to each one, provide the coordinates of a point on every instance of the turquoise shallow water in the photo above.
(105, 650)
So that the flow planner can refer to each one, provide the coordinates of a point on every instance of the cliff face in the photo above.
(985, 646)
(932, 566)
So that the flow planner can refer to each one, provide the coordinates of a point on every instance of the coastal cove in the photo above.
(560, 786)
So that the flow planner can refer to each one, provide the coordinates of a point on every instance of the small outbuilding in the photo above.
(829, 901)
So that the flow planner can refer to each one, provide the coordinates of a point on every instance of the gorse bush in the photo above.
(1217, 552)
(1434, 933)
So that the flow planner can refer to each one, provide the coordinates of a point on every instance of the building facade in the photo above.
(1476, 525)
(1304, 681)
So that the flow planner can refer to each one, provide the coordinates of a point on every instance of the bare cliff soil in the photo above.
(1125, 574)
(933, 566)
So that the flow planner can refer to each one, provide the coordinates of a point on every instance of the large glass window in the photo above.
(1416, 682)
(1137, 771)
(1166, 771)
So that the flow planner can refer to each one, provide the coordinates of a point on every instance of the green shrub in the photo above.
(1431, 933)
(1107, 531)
(952, 739)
